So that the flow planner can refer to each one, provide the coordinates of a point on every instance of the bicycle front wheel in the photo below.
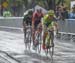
(51, 50)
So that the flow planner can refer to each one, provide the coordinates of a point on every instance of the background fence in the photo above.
(67, 26)
(11, 22)
(67, 29)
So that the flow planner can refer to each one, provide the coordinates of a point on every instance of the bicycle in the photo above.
(49, 44)
(37, 41)
(27, 38)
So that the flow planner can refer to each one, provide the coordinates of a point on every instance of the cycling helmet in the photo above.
(30, 12)
(51, 12)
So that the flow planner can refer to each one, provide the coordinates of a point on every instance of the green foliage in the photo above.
(43, 3)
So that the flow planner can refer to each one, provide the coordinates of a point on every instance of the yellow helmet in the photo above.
(51, 12)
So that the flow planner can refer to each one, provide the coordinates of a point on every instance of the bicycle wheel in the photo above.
(25, 38)
(51, 49)
(50, 44)
(47, 45)
(24, 34)
(39, 41)
(28, 40)
(36, 42)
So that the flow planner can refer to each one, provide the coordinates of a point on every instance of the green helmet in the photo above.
(51, 12)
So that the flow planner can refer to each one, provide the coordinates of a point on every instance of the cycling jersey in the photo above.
(37, 18)
(27, 19)
(47, 21)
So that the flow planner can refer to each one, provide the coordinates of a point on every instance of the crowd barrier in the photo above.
(11, 22)
(67, 28)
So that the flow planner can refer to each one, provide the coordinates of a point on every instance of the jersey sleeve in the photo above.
(24, 19)
(33, 18)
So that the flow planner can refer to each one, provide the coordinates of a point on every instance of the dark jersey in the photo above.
(27, 19)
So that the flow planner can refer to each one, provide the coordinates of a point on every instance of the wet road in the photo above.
(11, 41)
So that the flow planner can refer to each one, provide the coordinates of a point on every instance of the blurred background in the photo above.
(18, 7)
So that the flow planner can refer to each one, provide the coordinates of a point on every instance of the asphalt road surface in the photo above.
(12, 49)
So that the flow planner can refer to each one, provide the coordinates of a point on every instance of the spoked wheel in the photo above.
(28, 40)
(46, 52)
(25, 39)
(26, 44)
(39, 48)
(50, 44)
(39, 40)
(51, 50)
(37, 45)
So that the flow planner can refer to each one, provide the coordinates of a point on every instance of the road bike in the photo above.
(49, 44)
(28, 36)
(38, 40)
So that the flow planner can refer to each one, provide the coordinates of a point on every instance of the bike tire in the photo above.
(51, 50)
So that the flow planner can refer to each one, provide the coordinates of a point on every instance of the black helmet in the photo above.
(30, 11)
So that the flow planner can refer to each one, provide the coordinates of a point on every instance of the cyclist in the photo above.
(36, 22)
(48, 23)
(27, 20)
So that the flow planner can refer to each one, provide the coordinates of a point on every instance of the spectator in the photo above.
(14, 9)
(72, 14)
(0, 10)
(59, 12)
(6, 13)
(64, 13)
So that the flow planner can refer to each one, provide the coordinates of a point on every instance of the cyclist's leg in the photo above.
(33, 35)
(24, 30)
(34, 31)
(24, 33)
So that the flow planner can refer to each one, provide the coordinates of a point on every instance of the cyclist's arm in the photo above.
(24, 22)
(55, 22)
(33, 20)
(43, 23)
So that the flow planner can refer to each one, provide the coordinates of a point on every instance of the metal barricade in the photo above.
(67, 28)
(11, 22)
